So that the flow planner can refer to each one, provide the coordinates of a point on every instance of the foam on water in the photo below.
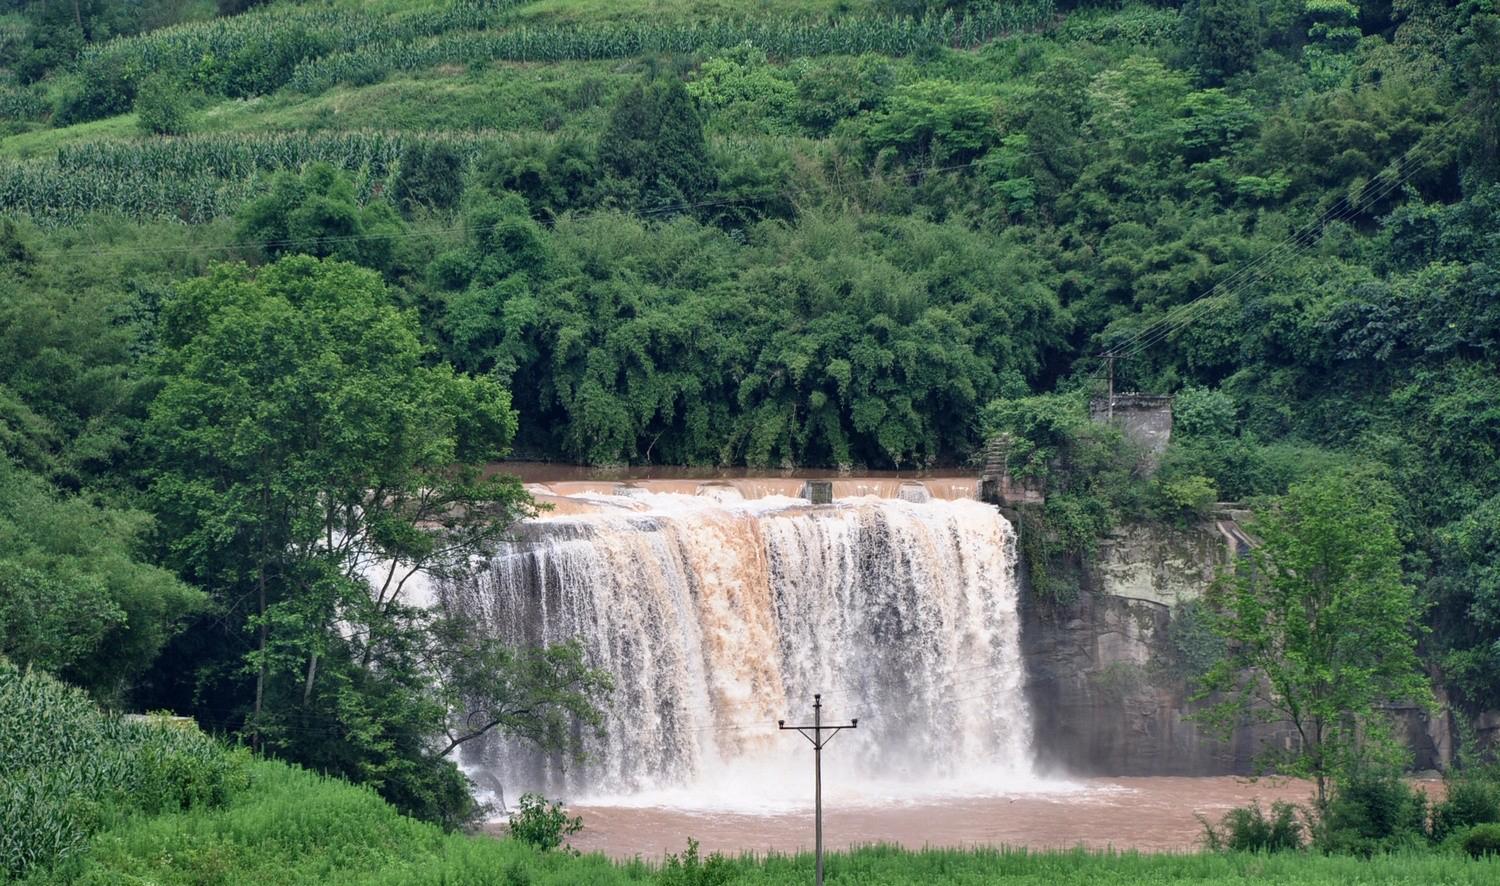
(719, 614)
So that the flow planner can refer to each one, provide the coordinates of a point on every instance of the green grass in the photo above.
(39, 142)
(580, 11)
(294, 827)
(507, 97)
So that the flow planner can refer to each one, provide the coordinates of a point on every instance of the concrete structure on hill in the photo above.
(1145, 419)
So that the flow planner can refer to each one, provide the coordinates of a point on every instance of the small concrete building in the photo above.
(1145, 419)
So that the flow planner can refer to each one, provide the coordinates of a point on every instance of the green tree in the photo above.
(161, 108)
(1223, 36)
(431, 178)
(739, 85)
(309, 466)
(1480, 68)
(935, 120)
(654, 144)
(1320, 624)
(553, 175)
(545, 696)
(75, 597)
(317, 213)
(1333, 33)
(832, 89)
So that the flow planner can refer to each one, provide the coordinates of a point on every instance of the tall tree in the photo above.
(1224, 36)
(1320, 625)
(654, 144)
(308, 468)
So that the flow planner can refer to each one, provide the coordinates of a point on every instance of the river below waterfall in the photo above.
(1156, 814)
(722, 604)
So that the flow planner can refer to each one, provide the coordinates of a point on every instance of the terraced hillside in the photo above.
(845, 234)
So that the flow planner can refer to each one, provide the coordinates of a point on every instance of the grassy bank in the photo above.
(294, 827)
(87, 799)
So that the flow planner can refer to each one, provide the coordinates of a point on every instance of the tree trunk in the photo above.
(260, 676)
(307, 685)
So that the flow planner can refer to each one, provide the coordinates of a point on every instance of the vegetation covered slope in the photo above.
(863, 234)
(86, 799)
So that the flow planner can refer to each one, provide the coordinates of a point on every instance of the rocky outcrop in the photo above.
(1107, 672)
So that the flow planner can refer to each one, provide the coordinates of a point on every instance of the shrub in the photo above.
(318, 213)
(105, 88)
(1249, 829)
(1482, 840)
(431, 178)
(542, 825)
(1191, 648)
(1471, 800)
(839, 88)
(1190, 496)
(68, 765)
(739, 84)
(161, 108)
(1371, 812)
(553, 175)
(690, 870)
(1202, 413)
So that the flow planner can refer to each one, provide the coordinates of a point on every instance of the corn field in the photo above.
(22, 103)
(63, 762)
(190, 50)
(779, 37)
(314, 49)
(199, 178)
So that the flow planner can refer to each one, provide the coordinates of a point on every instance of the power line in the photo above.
(1182, 315)
(1333, 213)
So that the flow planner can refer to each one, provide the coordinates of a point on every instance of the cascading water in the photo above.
(719, 615)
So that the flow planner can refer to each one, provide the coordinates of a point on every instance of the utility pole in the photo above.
(1109, 362)
(816, 737)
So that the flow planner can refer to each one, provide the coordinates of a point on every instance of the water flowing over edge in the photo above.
(719, 614)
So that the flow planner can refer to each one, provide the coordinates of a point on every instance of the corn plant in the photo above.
(780, 37)
(63, 763)
(254, 52)
(202, 177)
(22, 103)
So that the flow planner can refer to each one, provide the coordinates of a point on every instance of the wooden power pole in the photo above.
(814, 734)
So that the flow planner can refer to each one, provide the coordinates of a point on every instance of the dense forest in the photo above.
(277, 280)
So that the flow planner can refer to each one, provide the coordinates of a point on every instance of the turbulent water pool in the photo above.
(721, 604)
(1147, 814)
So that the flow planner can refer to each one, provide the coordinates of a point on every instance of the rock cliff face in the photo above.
(1106, 673)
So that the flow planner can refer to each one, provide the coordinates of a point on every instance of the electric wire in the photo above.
(1345, 208)
(1153, 333)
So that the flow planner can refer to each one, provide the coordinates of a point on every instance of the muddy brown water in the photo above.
(1158, 814)
(1155, 814)
(552, 472)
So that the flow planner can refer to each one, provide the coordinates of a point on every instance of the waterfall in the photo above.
(719, 614)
